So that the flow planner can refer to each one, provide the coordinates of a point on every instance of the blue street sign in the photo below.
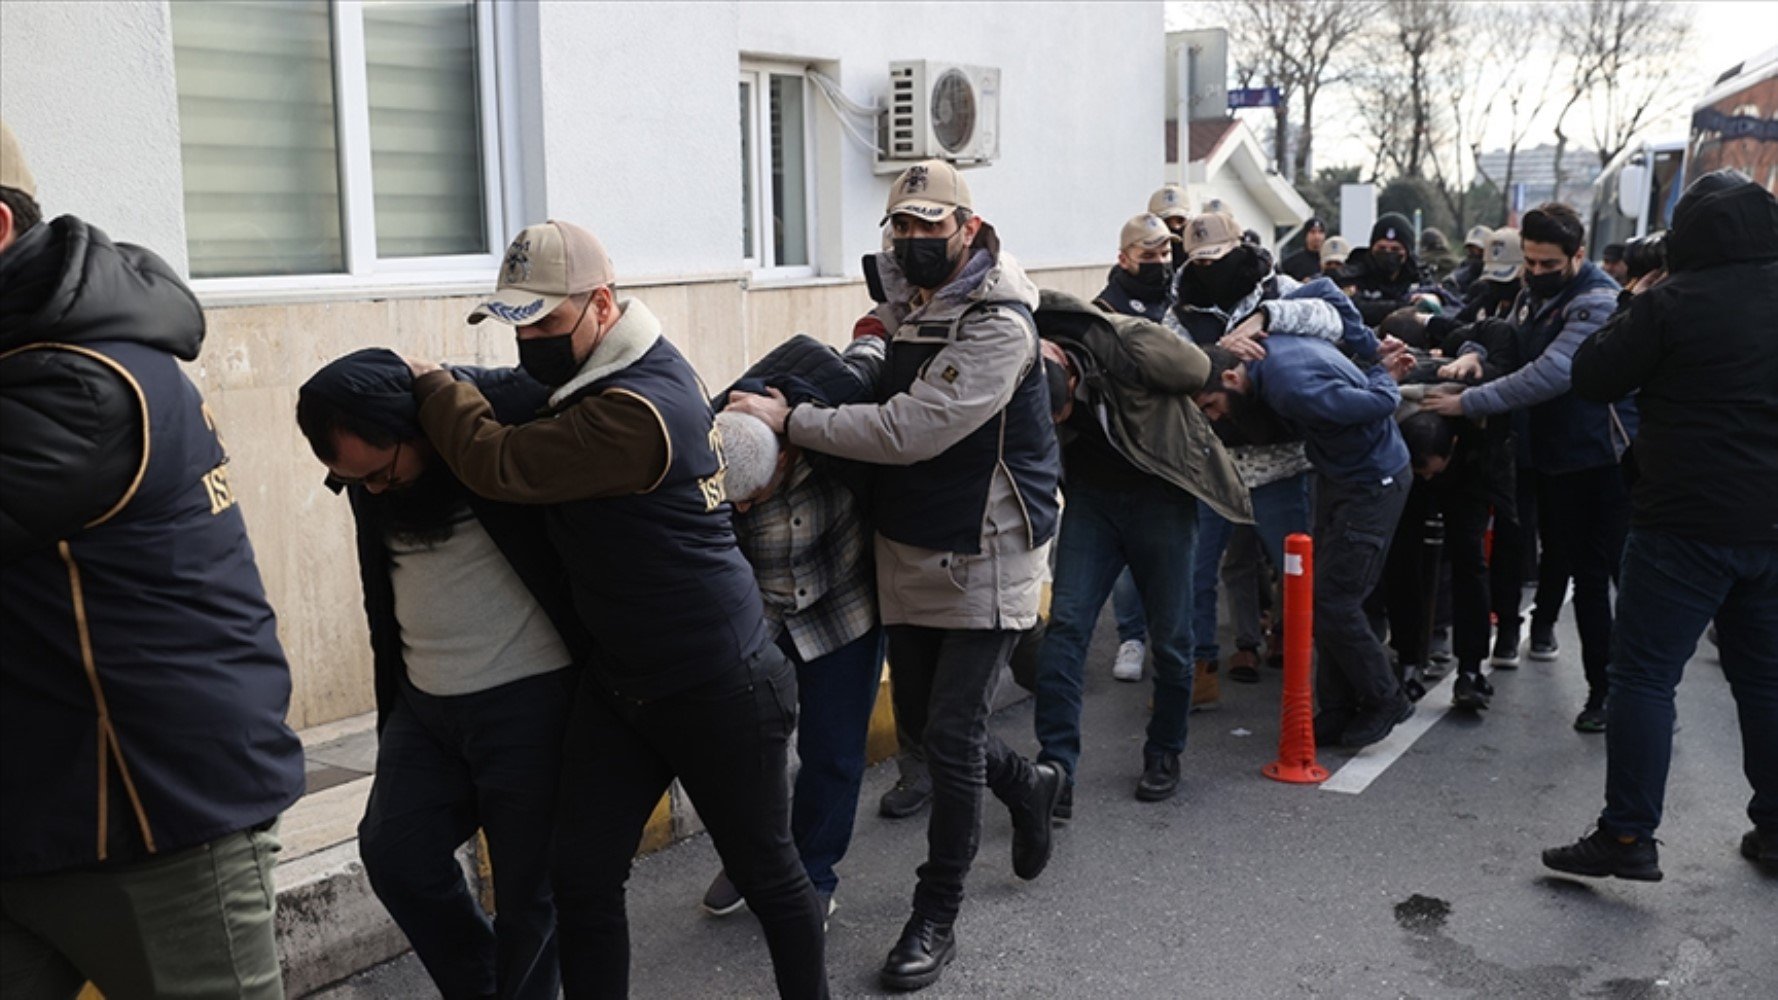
(1256, 97)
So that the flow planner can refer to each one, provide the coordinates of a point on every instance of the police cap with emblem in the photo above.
(543, 266)
(929, 190)
(1145, 231)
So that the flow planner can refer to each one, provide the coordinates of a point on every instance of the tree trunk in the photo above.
(1303, 166)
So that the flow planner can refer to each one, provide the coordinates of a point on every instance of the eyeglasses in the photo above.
(384, 476)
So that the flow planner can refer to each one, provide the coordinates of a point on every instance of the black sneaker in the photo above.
(1599, 854)
(1064, 810)
(1543, 644)
(1506, 649)
(1760, 845)
(1371, 725)
(1413, 681)
(1471, 691)
(722, 898)
(1590, 720)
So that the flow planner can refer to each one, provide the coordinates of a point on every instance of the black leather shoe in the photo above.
(1160, 777)
(1760, 845)
(1471, 691)
(1329, 724)
(920, 956)
(1372, 724)
(1033, 819)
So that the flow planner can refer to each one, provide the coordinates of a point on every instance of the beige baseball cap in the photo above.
(544, 265)
(1335, 250)
(1211, 236)
(1503, 257)
(930, 190)
(14, 172)
(1478, 237)
(1146, 231)
(1169, 203)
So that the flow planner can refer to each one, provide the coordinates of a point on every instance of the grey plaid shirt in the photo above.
(811, 552)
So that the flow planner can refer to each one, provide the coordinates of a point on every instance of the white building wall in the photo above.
(88, 90)
(1080, 117)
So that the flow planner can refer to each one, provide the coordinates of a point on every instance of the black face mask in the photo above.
(549, 360)
(1224, 283)
(1150, 274)
(1389, 261)
(1548, 285)
(925, 260)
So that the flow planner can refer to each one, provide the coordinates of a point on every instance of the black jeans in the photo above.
(1585, 518)
(1354, 523)
(1404, 595)
(942, 681)
(726, 741)
(446, 766)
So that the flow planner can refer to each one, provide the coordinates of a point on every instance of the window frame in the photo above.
(364, 270)
(757, 260)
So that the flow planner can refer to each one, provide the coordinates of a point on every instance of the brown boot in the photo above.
(1206, 686)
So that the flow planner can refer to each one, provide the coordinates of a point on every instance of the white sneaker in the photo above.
(1129, 661)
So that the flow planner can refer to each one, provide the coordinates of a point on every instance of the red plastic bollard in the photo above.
(1296, 735)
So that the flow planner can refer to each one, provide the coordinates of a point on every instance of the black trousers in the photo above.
(1354, 523)
(726, 741)
(445, 766)
(1585, 517)
(1403, 594)
(942, 681)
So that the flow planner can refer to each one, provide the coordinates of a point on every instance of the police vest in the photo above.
(151, 688)
(939, 503)
(658, 577)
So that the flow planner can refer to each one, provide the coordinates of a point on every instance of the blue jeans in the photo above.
(836, 694)
(1150, 529)
(1126, 607)
(1279, 509)
(1671, 588)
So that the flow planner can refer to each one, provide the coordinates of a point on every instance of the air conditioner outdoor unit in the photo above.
(940, 111)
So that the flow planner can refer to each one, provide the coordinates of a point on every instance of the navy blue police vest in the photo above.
(155, 689)
(939, 503)
(658, 577)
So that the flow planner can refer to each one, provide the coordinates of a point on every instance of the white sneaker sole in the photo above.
(1119, 673)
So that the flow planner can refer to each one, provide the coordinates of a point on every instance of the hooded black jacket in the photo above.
(1376, 292)
(70, 434)
(1702, 348)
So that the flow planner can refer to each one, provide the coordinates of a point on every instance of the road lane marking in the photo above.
(1370, 763)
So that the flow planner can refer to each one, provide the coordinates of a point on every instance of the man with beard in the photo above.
(1228, 290)
(1347, 418)
(1306, 263)
(1382, 276)
(471, 633)
(686, 682)
(1583, 502)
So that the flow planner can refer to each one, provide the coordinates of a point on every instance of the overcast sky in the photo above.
(1724, 33)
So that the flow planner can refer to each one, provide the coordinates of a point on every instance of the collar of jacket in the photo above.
(636, 331)
(1590, 278)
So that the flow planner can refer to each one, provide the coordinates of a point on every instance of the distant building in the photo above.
(1536, 169)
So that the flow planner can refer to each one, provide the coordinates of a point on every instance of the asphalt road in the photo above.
(1425, 885)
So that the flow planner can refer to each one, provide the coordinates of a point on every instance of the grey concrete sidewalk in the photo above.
(1426, 885)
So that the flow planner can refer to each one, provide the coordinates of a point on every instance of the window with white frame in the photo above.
(777, 170)
(337, 137)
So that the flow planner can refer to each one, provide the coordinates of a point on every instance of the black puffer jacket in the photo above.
(1702, 348)
(70, 433)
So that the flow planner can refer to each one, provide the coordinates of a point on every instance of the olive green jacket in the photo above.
(1139, 377)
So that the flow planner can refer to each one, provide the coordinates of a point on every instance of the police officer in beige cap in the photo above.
(964, 510)
(687, 682)
(1170, 204)
(1139, 282)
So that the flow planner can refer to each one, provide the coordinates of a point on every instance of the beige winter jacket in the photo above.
(964, 386)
